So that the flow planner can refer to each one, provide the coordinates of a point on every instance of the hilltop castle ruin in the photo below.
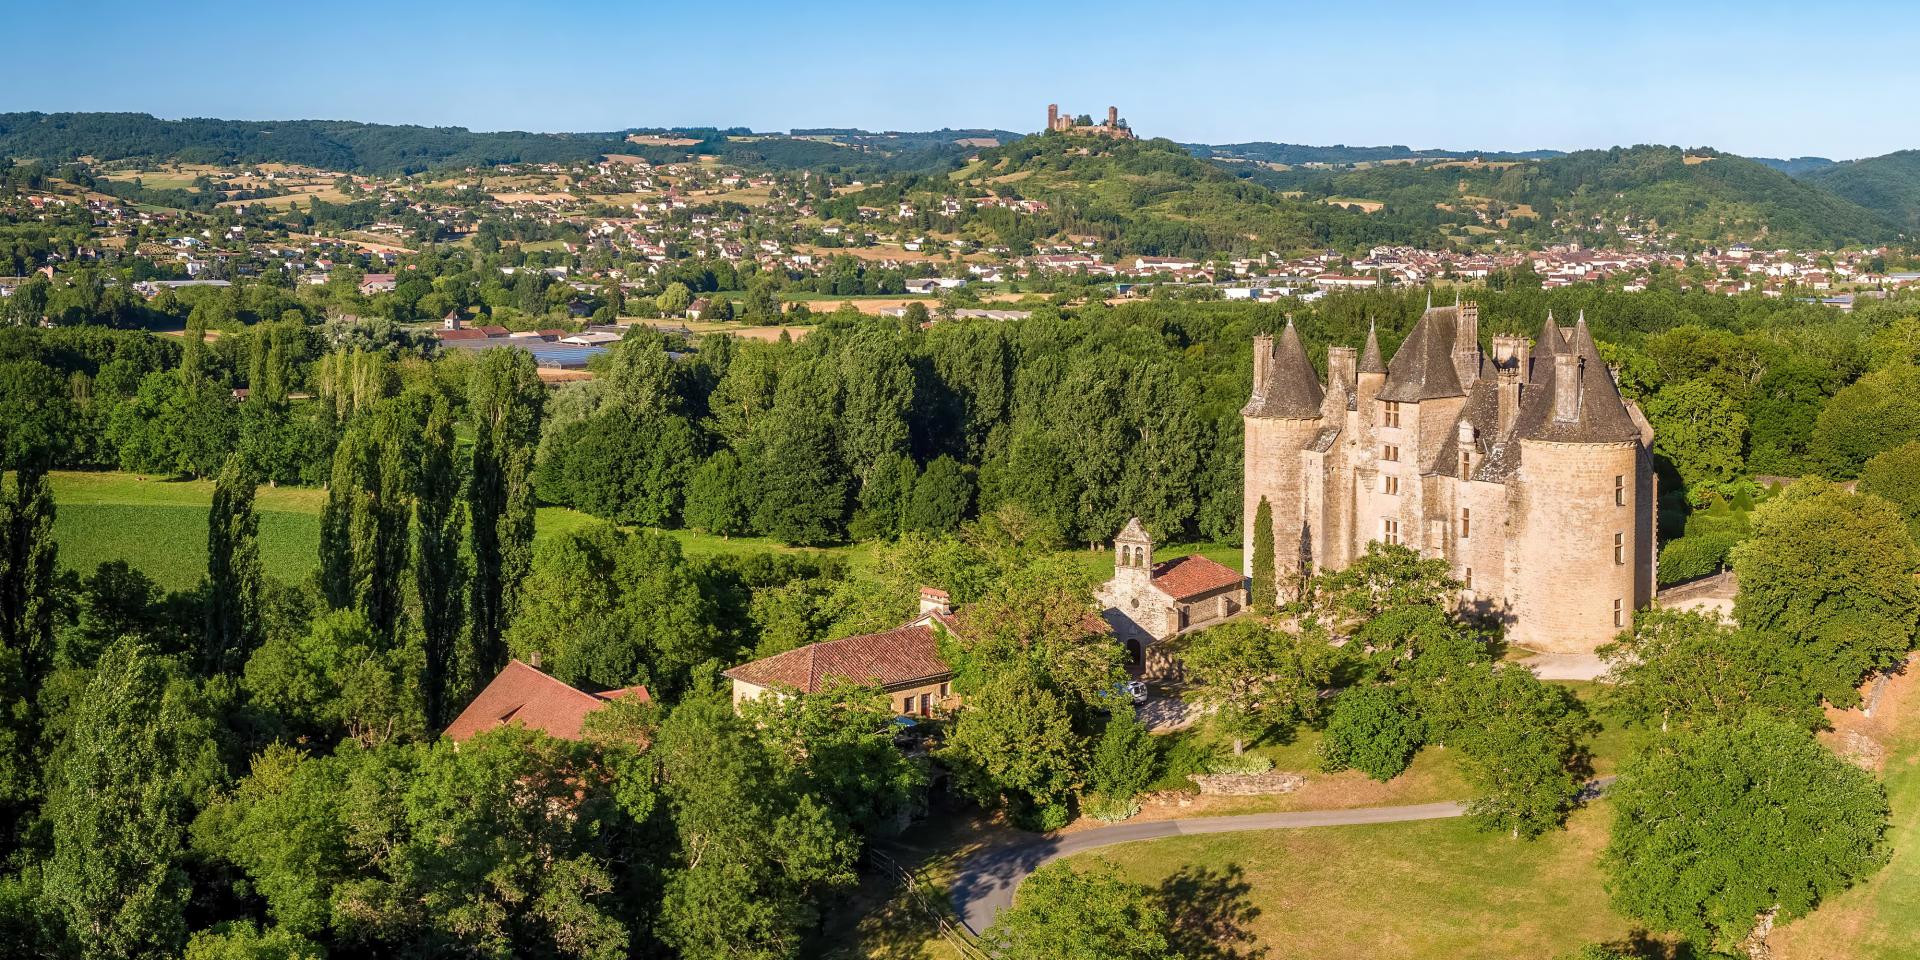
(1114, 127)
(1527, 471)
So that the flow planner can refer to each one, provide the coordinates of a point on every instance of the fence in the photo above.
(955, 935)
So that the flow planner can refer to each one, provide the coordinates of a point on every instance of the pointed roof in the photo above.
(1370, 361)
(1603, 415)
(1292, 390)
(1549, 341)
(1422, 369)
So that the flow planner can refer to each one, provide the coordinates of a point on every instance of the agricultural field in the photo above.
(160, 527)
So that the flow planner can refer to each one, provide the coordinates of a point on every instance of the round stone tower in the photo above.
(1574, 565)
(1281, 419)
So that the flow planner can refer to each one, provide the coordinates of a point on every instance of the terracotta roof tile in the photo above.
(538, 701)
(889, 658)
(1193, 576)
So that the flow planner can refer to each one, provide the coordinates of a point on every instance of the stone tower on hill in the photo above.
(1525, 469)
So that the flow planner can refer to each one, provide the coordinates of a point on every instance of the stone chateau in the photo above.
(1526, 470)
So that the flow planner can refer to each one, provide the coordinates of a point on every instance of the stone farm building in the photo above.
(1147, 604)
(1526, 470)
(904, 662)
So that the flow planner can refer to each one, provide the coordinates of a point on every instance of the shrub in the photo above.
(1692, 557)
(1110, 809)
(1043, 818)
(1243, 764)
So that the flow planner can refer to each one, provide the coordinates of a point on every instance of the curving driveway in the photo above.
(987, 880)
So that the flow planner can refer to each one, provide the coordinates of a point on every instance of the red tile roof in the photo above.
(535, 700)
(1188, 577)
(462, 335)
(891, 658)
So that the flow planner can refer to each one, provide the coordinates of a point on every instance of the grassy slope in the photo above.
(1439, 889)
(160, 527)
(1877, 920)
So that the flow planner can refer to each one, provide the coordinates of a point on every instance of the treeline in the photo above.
(328, 144)
(1713, 197)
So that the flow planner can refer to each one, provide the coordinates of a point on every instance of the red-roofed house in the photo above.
(1149, 604)
(524, 695)
(905, 662)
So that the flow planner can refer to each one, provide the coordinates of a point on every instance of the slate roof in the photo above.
(522, 694)
(1370, 361)
(1194, 576)
(1603, 416)
(1292, 389)
(1422, 369)
(903, 655)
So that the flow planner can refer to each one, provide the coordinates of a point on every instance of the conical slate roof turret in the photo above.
(1291, 389)
(1596, 414)
(1370, 361)
(1422, 369)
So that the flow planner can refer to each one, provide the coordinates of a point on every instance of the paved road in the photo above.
(986, 882)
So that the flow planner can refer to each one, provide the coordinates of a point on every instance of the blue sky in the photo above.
(1762, 77)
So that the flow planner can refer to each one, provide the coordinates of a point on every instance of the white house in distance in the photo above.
(1148, 604)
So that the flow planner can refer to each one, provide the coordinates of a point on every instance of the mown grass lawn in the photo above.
(1411, 891)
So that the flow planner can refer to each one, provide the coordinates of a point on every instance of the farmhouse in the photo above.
(522, 694)
(905, 662)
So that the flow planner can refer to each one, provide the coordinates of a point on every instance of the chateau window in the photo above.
(1619, 613)
(1467, 582)
(906, 704)
(1466, 523)
(1619, 549)
(1390, 453)
(1391, 416)
(1619, 490)
(1390, 531)
(1466, 465)
(1390, 484)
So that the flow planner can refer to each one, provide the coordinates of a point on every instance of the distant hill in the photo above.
(1296, 154)
(330, 144)
(1698, 195)
(1153, 197)
(388, 148)
(1888, 185)
(1795, 166)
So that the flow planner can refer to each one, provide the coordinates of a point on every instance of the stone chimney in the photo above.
(1342, 366)
(1508, 395)
(1566, 387)
(934, 600)
(1466, 343)
(1512, 352)
(1262, 354)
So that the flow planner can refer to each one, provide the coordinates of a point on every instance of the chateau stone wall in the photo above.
(1567, 577)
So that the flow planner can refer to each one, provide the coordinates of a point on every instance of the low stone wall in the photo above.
(1248, 784)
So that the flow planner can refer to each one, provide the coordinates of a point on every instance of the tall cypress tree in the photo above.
(234, 577)
(439, 578)
(363, 526)
(27, 554)
(505, 397)
(1265, 589)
